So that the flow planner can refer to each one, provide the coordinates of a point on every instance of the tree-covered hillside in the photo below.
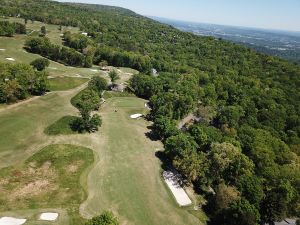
(243, 152)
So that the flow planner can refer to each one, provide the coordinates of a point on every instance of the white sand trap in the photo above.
(11, 59)
(135, 116)
(52, 68)
(173, 181)
(49, 216)
(11, 221)
(93, 70)
(2, 49)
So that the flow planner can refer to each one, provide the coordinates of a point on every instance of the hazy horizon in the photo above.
(264, 14)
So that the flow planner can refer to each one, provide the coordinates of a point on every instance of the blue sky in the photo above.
(273, 14)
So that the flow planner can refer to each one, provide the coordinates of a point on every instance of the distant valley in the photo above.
(285, 44)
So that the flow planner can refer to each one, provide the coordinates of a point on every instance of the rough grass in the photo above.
(48, 179)
(65, 83)
(62, 126)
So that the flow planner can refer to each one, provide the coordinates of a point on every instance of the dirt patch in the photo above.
(34, 188)
(72, 168)
(44, 171)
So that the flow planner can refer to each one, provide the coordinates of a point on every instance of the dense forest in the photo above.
(242, 152)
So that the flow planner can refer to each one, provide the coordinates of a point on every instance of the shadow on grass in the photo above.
(152, 135)
(63, 126)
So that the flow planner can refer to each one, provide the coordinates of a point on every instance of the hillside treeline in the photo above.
(242, 154)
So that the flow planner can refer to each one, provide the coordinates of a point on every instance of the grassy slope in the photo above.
(127, 178)
(23, 125)
(48, 179)
(65, 83)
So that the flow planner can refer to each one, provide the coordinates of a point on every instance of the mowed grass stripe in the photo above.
(127, 179)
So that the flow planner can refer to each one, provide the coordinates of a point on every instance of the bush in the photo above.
(40, 64)
(107, 218)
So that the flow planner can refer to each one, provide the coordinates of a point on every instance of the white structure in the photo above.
(49, 216)
(135, 116)
(84, 33)
(11, 221)
(173, 180)
(154, 72)
(286, 222)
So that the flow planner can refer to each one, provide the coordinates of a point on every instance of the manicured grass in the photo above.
(48, 179)
(127, 179)
(23, 126)
(126, 176)
(62, 126)
(113, 94)
(65, 83)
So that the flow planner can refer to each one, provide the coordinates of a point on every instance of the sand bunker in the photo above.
(2, 49)
(49, 216)
(173, 180)
(135, 116)
(11, 59)
(93, 70)
(11, 221)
